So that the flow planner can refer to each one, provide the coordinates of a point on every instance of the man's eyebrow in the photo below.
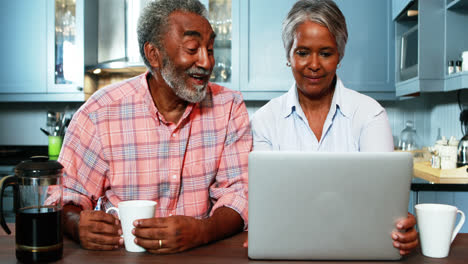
(192, 33)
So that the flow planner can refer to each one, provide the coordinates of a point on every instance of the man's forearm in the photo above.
(223, 223)
(71, 220)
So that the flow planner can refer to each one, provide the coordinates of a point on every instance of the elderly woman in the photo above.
(319, 113)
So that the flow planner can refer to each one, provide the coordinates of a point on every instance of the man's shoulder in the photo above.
(221, 94)
(113, 94)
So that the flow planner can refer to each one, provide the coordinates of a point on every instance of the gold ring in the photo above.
(160, 243)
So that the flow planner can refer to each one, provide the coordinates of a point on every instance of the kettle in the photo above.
(37, 189)
(462, 152)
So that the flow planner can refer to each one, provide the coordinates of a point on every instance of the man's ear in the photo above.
(152, 55)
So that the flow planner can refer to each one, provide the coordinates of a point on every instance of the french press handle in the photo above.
(12, 181)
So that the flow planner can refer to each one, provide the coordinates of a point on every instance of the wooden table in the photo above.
(229, 250)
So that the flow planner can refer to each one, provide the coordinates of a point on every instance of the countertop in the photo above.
(229, 250)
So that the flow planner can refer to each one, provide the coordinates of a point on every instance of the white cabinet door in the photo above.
(23, 48)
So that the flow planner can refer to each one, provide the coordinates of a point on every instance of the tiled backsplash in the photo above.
(429, 112)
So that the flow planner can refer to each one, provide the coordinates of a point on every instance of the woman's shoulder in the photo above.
(361, 104)
(271, 110)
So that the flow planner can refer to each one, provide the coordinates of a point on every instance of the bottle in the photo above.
(450, 68)
(435, 160)
(458, 66)
(439, 137)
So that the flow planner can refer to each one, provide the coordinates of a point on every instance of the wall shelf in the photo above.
(456, 81)
(441, 38)
(456, 41)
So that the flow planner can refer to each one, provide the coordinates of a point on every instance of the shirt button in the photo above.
(170, 214)
(174, 135)
(174, 176)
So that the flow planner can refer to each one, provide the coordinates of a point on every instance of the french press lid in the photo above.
(38, 166)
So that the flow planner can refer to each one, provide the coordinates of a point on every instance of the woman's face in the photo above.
(314, 58)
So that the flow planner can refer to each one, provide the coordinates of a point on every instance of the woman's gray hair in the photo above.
(153, 23)
(323, 12)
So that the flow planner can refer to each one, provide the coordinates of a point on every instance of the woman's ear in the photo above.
(153, 55)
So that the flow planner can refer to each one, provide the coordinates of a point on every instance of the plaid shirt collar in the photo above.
(144, 91)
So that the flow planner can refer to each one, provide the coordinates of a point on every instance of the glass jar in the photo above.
(408, 138)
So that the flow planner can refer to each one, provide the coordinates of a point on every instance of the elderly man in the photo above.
(167, 135)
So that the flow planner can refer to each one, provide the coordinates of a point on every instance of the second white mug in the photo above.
(130, 211)
(437, 230)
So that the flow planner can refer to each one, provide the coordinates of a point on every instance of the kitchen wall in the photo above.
(20, 122)
(429, 112)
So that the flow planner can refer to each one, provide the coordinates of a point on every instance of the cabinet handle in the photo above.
(412, 13)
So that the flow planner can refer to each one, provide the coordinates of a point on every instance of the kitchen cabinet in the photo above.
(224, 18)
(367, 66)
(65, 64)
(23, 48)
(456, 39)
(441, 37)
(398, 6)
(43, 57)
(428, 54)
(263, 70)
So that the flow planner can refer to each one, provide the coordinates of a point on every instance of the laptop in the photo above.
(326, 206)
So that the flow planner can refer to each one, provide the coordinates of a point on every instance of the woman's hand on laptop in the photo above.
(406, 238)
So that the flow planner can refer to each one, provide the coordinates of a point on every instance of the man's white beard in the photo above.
(178, 85)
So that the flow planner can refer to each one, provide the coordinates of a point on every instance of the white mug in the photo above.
(437, 230)
(130, 211)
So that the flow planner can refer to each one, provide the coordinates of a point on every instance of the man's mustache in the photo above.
(196, 70)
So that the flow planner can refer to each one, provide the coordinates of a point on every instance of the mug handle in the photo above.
(459, 226)
(117, 210)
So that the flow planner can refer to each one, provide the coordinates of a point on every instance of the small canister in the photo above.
(458, 66)
(450, 67)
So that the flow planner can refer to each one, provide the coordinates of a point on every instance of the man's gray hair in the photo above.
(323, 12)
(153, 23)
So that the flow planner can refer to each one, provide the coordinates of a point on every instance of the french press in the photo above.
(37, 188)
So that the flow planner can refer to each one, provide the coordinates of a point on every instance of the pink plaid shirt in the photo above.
(119, 147)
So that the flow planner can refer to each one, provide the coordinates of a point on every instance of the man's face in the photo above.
(188, 55)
